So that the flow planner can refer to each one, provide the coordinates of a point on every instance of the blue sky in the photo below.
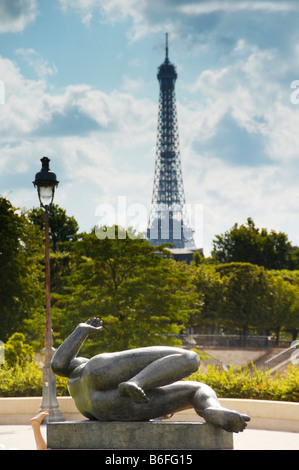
(80, 87)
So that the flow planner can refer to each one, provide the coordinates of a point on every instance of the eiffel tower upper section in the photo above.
(168, 222)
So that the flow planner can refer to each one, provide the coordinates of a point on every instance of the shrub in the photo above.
(251, 383)
(17, 352)
(233, 382)
(26, 381)
(20, 376)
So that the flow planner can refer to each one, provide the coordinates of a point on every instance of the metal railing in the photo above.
(224, 341)
(282, 359)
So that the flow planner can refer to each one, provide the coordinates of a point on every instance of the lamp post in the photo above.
(46, 182)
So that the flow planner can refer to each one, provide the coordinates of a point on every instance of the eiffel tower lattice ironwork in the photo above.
(168, 222)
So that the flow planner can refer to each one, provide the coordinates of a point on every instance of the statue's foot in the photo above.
(131, 389)
(228, 420)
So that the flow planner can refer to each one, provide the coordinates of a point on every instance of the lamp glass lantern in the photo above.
(46, 182)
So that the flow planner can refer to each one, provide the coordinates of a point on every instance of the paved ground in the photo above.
(21, 438)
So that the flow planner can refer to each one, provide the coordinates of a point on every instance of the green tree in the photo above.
(242, 296)
(197, 259)
(285, 302)
(210, 290)
(62, 228)
(141, 296)
(294, 258)
(247, 296)
(248, 244)
(283, 309)
(63, 235)
(17, 351)
(21, 276)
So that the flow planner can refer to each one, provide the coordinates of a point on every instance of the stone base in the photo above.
(136, 435)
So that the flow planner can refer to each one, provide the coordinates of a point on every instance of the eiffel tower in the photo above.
(168, 221)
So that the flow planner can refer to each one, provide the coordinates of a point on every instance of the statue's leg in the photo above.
(110, 406)
(207, 405)
(162, 371)
(130, 371)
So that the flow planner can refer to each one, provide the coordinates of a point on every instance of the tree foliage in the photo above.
(21, 276)
(62, 228)
(17, 351)
(143, 296)
(284, 306)
(247, 296)
(139, 295)
(248, 244)
(239, 297)
(210, 290)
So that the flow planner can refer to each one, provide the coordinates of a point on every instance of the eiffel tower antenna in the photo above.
(166, 46)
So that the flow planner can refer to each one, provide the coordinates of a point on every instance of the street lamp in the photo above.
(46, 182)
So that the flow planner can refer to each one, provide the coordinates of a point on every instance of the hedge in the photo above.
(242, 382)
(26, 381)
(251, 383)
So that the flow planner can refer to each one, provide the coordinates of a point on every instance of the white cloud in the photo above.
(186, 21)
(24, 108)
(229, 194)
(131, 85)
(15, 15)
(40, 65)
(257, 100)
(30, 106)
(111, 10)
(242, 109)
(203, 8)
(102, 145)
(91, 138)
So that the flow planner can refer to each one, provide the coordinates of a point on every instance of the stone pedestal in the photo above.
(156, 435)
